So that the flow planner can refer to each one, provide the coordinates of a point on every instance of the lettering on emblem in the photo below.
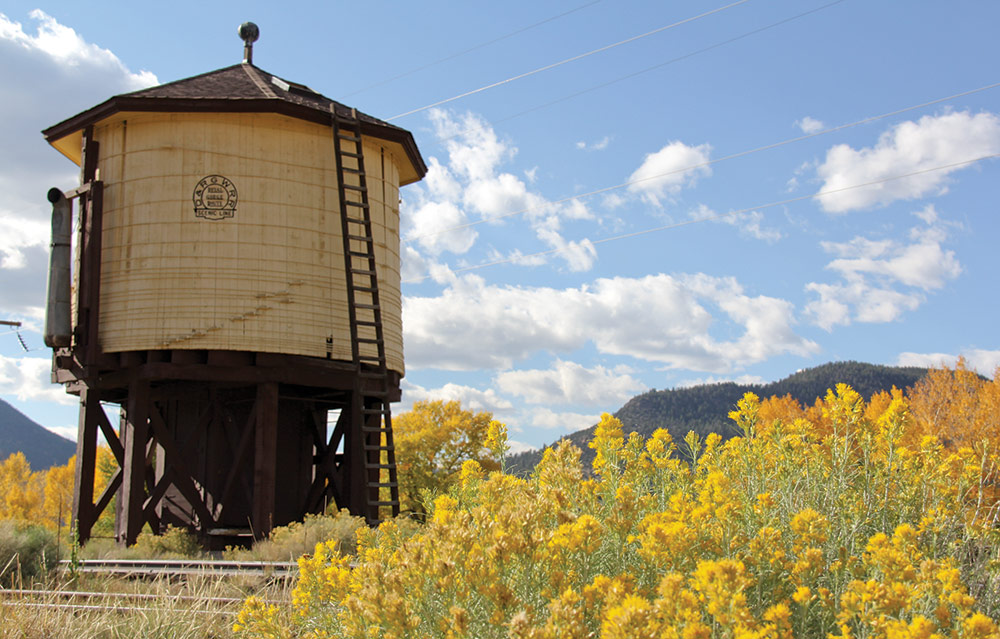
(215, 198)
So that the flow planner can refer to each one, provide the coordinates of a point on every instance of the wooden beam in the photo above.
(265, 459)
(182, 476)
(109, 493)
(84, 515)
(111, 437)
(239, 459)
(94, 240)
(133, 494)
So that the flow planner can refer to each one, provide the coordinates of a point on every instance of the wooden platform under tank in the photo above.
(229, 444)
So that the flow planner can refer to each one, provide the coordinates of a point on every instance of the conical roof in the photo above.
(241, 88)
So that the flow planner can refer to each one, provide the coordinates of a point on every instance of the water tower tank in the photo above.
(237, 278)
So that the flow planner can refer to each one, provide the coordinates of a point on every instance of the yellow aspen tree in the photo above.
(20, 489)
(957, 405)
(57, 505)
(432, 441)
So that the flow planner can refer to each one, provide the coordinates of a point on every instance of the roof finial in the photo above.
(248, 33)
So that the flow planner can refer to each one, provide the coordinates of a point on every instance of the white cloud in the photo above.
(873, 270)
(472, 183)
(656, 318)
(65, 46)
(519, 446)
(437, 225)
(471, 398)
(565, 422)
(906, 148)
(571, 383)
(664, 173)
(857, 300)
(748, 223)
(28, 378)
(46, 76)
(69, 431)
(600, 145)
(810, 125)
(985, 362)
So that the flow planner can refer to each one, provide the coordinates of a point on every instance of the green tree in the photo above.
(433, 440)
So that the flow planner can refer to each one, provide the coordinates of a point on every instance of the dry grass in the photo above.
(192, 609)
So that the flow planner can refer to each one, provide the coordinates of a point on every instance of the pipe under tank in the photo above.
(58, 327)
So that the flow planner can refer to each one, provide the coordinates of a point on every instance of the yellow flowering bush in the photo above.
(826, 525)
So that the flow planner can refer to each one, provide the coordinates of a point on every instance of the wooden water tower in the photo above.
(236, 281)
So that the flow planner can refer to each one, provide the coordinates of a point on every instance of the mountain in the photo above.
(704, 409)
(42, 448)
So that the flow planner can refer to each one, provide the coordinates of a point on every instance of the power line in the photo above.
(667, 227)
(707, 163)
(663, 64)
(471, 49)
(567, 60)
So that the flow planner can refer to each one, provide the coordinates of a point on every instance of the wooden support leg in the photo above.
(86, 460)
(265, 459)
(355, 458)
(133, 493)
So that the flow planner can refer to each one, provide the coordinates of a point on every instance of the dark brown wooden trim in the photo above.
(122, 104)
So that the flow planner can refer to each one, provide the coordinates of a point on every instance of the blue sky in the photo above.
(637, 203)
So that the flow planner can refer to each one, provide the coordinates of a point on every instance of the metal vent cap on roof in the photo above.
(249, 32)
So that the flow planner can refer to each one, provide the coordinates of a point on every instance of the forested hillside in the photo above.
(704, 409)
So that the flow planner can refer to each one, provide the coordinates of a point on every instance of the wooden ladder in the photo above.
(369, 408)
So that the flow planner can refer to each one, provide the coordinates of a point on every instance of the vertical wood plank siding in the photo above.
(269, 279)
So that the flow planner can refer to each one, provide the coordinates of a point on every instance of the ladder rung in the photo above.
(360, 205)
(369, 340)
(383, 503)
(352, 155)
(352, 138)
(372, 449)
(360, 238)
(382, 484)
(363, 189)
(364, 322)
(380, 466)
(366, 289)
(368, 307)
(347, 169)
(357, 220)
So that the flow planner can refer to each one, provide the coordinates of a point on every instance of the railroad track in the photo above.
(184, 568)
(120, 602)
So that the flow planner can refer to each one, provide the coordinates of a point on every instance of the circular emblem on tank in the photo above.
(215, 198)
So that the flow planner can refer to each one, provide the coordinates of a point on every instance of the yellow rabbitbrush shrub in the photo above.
(787, 531)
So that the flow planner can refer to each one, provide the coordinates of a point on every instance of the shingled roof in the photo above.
(241, 88)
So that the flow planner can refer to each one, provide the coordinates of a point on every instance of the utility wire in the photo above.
(707, 163)
(470, 50)
(720, 216)
(567, 60)
(661, 64)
